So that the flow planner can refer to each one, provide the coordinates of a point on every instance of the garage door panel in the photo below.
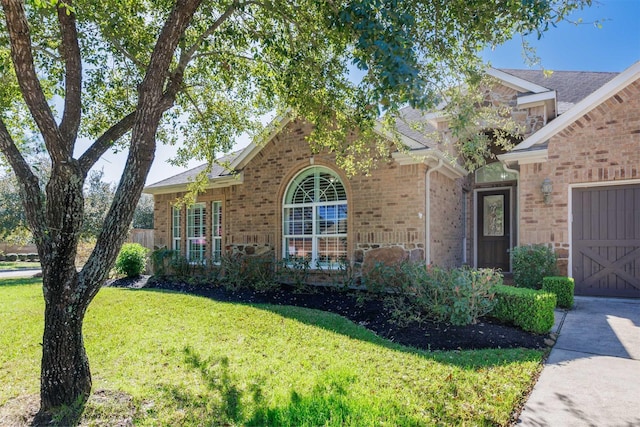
(606, 240)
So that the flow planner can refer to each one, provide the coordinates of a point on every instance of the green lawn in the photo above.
(18, 265)
(187, 360)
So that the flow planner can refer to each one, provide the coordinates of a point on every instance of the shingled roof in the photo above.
(571, 86)
(217, 171)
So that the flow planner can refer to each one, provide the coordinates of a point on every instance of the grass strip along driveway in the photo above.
(186, 360)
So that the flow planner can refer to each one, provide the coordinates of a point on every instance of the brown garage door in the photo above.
(606, 240)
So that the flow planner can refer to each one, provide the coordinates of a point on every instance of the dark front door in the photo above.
(606, 241)
(493, 231)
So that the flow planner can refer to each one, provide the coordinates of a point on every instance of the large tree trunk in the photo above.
(65, 379)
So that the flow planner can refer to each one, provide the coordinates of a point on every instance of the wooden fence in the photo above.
(144, 236)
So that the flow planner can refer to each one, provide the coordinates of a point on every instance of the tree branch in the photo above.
(28, 181)
(152, 103)
(105, 141)
(73, 74)
(22, 56)
(177, 77)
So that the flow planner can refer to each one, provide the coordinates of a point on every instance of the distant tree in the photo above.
(126, 73)
(143, 215)
(98, 196)
(13, 220)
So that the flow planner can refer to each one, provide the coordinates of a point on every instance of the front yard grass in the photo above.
(18, 265)
(187, 360)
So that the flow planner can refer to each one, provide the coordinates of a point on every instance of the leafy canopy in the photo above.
(240, 60)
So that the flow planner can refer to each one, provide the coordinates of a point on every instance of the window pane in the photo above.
(299, 221)
(332, 250)
(196, 232)
(494, 172)
(216, 225)
(493, 215)
(299, 248)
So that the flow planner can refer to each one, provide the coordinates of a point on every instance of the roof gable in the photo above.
(541, 137)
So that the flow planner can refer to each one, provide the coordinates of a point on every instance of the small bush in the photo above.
(241, 271)
(11, 257)
(31, 257)
(528, 309)
(22, 257)
(131, 259)
(160, 260)
(458, 296)
(531, 263)
(562, 287)
(293, 271)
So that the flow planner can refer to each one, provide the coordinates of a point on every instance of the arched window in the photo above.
(494, 172)
(315, 219)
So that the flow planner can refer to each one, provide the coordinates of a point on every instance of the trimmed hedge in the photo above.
(562, 287)
(528, 309)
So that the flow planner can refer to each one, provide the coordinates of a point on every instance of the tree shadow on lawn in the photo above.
(329, 403)
(338, 324)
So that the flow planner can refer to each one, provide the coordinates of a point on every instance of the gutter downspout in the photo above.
(427, 225)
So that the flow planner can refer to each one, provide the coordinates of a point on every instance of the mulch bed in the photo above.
(370, 313)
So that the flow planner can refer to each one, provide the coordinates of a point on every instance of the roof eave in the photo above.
(218, 182)
(430, 157)
(525, 157)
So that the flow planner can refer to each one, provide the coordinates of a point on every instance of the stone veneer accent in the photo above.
(601, 146)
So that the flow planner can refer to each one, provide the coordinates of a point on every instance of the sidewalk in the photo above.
(592, 376)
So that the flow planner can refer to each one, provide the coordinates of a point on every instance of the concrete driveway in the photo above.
(592, 376)
(18, 273)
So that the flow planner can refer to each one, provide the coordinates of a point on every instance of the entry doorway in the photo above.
(493, 228)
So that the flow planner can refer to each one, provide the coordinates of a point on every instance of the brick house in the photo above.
(582, 140)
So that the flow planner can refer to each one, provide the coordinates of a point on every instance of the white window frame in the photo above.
(197, 232)
(216, 231)
(176, 228)
(315, 261)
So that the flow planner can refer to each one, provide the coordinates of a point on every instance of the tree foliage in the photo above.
(126, 74)
(143, 215)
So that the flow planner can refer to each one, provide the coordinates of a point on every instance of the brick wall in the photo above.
(601, 146)
(386, 208)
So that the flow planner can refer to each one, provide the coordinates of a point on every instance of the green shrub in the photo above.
(293, 271)
(22, 257)
(32, 257)
(528, 309)
(531, 263)
(131, 260)
(562, 287)
(11, 257)
(458, 296)
(160, 261)
(241, 271)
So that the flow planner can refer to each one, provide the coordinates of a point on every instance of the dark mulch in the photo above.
(371, 313)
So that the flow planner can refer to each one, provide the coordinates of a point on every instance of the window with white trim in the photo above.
(196, 233)
(176, 233)
(216, 231)
(315, 219)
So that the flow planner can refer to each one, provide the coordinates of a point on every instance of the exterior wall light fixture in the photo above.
(547, 189)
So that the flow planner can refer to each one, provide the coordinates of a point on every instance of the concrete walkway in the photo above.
(592, 376)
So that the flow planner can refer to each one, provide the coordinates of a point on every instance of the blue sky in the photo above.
(613, 47)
